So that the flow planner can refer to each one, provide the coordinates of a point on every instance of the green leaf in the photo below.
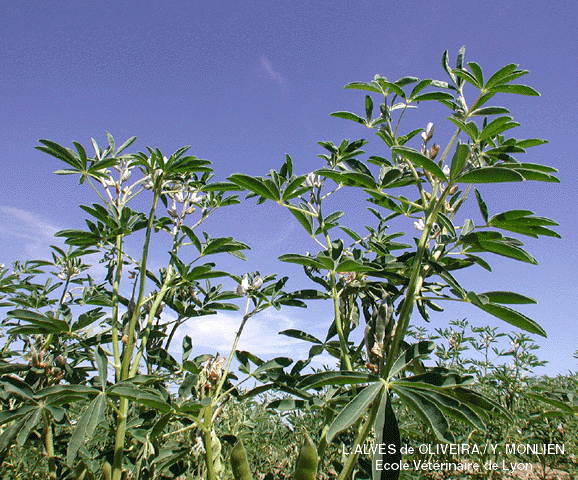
(417, 350)
(490, 175)
(354, 409)
(465, 127)
(477, 71)
(419, 87)
(482, 112)
(291, 189)
(482, 205)
(301, 260)
(301, 335)
(387, 433)
(349, 116)
(351, 233)
(424, 97)
(253, 184)
(305, 220)
(421, 160)
(350, 265)
(500, 75)
(30, 423)
(467, 76)
(428, 411)
(459, 159)
(221, 187)
(317, 380)
(504, 249)
(517, 89)
(513, 317)
(85, 427)
(362, 86)
(497, 126)
(102, 363)
(368, 107)
(507, 297)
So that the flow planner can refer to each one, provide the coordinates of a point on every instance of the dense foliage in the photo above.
(91, 384)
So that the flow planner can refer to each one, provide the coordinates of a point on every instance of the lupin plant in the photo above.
(99, 356)
(368, 276)
(118, 326)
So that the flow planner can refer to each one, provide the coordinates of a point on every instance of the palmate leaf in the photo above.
(421, 160)
(417, 350)
(428, 411)
(387, 433)
(317, 380)
(354, 409)
(506, 314)
(253, 184)
(85, 427)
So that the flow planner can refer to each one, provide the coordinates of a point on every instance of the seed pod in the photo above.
(306, 468)
(106, 471)
(239, 462)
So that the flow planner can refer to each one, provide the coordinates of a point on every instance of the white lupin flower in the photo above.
(429, 132)
(180, 197)
(446, 170)
(195, 198)
(313, 180)
(419, 225)
(148, 184)
(244, 287)
(173, 210)
(257, 282)
(125, 175)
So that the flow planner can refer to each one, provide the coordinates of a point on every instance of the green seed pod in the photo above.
(239, 462)
(106, 471)
(306, 468)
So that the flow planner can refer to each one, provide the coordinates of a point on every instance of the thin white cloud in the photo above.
(260, 336)
(28, 231)
(31, 236)
(271, 72)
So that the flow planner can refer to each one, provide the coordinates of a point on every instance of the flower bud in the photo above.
(453, 190)
(195, 199)
(240, 290)
(428, 133)
(125, 175)
(433, 151)
(257, 282)
(446, 169)
(180, 197)
(419, 225)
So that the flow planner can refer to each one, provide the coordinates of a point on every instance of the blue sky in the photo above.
(244, 83)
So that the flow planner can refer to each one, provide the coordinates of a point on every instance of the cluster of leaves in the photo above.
(100, 392)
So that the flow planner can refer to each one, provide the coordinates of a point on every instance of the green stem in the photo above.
(208, 441)
(415, 283)
(233, 348)
(339, 325)
(361, 437)
(49, 444)
(114, 299)
(127, 357)
(119, 439)
(151, 315)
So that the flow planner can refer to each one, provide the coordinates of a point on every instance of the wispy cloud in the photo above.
(29, 236)
(260, 336)
(271, 72)
(28, 231)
